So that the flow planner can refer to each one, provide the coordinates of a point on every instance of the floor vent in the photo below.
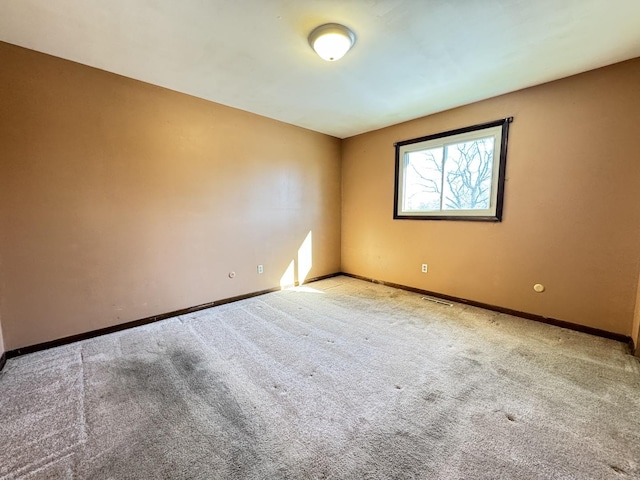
(437, 300)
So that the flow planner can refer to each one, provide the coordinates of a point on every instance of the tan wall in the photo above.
(635, 330)
(120, 200)
(571, 213)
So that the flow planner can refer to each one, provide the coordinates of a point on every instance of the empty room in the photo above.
(320, 239)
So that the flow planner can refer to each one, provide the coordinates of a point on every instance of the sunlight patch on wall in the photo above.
(288, 279)
(305, 258)
(299, 268)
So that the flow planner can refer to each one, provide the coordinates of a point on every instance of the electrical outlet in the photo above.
(425, 268)
(260, 269)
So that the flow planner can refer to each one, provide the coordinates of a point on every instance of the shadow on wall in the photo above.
(297, 271)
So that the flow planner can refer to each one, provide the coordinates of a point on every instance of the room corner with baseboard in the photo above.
(3, 354)
(150, 201)
(583, 260)
(635, 330)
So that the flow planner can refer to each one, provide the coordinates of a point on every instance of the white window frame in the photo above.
(497, 129)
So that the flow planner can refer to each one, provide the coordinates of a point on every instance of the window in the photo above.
(455, 175)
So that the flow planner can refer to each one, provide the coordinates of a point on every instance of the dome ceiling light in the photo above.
(331, 41)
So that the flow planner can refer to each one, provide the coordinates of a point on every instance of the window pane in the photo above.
(423, 180)
(467, 174)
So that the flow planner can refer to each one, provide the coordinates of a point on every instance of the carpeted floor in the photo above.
(341, 379)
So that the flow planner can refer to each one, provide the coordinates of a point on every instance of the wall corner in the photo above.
(635, 329)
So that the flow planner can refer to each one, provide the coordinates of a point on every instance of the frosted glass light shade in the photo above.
(331, 41)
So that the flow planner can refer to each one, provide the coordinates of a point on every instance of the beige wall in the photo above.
(571, 213)
(120, 200)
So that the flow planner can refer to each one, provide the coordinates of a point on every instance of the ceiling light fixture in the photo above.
(331, 41)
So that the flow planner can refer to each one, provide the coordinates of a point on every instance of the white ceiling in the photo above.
(411, 57)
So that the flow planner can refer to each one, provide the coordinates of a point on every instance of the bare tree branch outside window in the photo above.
(461, 181)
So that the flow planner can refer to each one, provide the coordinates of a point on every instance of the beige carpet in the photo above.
(341, 379)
